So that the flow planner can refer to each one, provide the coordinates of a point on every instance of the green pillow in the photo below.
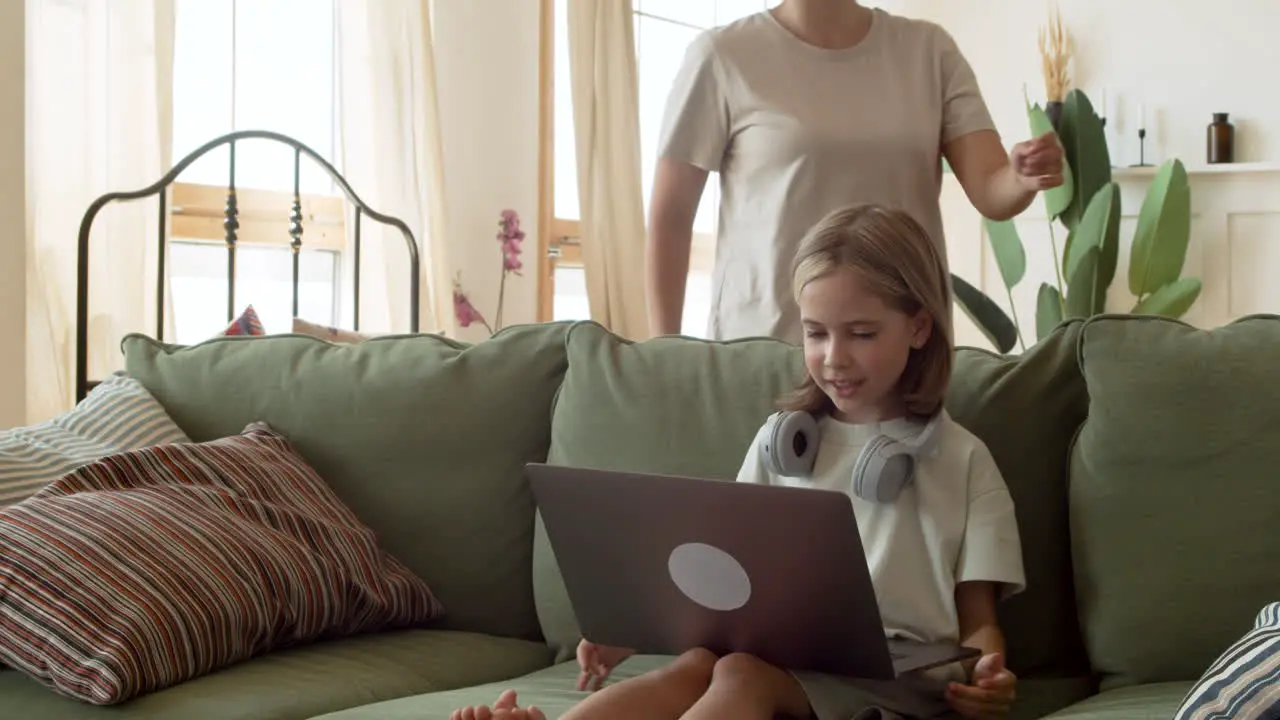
(672, 405)
(424, 437)
(1173, 491)
(1027, 409)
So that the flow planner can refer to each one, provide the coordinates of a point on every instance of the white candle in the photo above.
(1142, 116)
(1104, 102)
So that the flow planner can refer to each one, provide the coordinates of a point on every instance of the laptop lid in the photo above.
(661, 564)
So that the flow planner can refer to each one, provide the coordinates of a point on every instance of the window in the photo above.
(265, 65)
(663, 29)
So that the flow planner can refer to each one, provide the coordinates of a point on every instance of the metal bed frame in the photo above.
(231, 225)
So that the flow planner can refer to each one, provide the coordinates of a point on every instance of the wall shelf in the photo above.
(1240, 168)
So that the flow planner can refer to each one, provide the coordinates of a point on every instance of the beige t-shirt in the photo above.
(796, 131)
(953, 523)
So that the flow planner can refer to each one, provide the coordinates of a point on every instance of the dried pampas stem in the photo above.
(1055, 55)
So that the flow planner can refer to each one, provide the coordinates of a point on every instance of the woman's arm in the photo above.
(677, 190)
(1001, 185)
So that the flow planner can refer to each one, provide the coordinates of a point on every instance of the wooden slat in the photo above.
(197, 212)
(702, 255)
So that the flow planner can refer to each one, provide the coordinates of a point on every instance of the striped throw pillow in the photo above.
(1244, 682)
(117, 415)
(155, 566)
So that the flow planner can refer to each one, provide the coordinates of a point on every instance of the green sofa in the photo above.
(1137, 451)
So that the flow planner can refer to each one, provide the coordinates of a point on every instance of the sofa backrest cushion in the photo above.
(670, 405)
(1174, 502)
(1027, 409)
(425, 438)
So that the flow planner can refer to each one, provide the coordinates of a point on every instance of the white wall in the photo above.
(487, 66)
(12, 218)
(1155, 52)
(1185, 59)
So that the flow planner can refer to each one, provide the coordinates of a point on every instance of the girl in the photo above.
(872, 295)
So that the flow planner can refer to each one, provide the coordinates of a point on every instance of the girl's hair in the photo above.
(894, 255)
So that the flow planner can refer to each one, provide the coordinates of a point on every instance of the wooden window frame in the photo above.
(559, 239)
(551, 234)
(197, 213)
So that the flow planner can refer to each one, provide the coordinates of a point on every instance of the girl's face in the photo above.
(856, 347)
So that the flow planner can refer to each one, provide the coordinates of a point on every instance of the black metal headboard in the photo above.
(231, 225)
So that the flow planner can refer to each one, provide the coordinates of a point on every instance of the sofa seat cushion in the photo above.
(424, 437)
(553, 690)
(303, 682)
(1155, 701)
(1173, 494)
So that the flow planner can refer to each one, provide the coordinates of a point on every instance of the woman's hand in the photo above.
(597, 661)
(1038, 163)
(991, 691)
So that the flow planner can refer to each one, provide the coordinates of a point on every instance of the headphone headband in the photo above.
(926, 443)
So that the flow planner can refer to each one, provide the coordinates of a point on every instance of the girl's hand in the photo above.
(991, 691)
(597, 661)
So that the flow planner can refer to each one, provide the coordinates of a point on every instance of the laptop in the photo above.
(662, 564)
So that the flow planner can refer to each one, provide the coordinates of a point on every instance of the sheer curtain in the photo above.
(99, 119)
(606, 117)
(391, 154)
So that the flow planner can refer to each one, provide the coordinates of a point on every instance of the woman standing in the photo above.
(803, 108)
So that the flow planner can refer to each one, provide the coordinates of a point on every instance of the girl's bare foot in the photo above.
(504, 709)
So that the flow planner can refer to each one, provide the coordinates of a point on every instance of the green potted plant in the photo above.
(1088, 207)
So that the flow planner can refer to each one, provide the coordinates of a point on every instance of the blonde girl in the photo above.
(872, 296)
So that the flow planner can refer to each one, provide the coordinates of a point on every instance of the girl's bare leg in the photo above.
(743, 687)
(663, 694)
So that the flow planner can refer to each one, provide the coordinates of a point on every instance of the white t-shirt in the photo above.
(953, 523)
(796, 131)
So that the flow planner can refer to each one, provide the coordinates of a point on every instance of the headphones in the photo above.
(789, 446)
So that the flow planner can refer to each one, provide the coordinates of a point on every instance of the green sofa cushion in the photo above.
(1027, 409)
(304, 682)
(667, 405)
(553, 690)
(425, 438)
(1157, 701)
(1173, 487)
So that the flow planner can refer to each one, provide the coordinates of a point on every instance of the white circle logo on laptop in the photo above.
(709, 576)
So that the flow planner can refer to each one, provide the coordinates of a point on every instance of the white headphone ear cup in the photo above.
(790, 443)
(883, 469)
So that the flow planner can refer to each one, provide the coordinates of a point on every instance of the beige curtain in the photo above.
(391, 154)
(99, 119)
(606, 116)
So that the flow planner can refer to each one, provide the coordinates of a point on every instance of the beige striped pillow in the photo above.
(155, 566)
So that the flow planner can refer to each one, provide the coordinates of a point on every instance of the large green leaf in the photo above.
(1048, 310)
(1099, 229)
(1057, 199)
(1172, 300)
(986, 314)
(1164, 230)
(1084, 141)
(1011, 258)
(1082, 290)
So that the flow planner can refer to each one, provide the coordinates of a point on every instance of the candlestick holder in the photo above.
(1142, 148)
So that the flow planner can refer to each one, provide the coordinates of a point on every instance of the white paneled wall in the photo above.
(1234, 249)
